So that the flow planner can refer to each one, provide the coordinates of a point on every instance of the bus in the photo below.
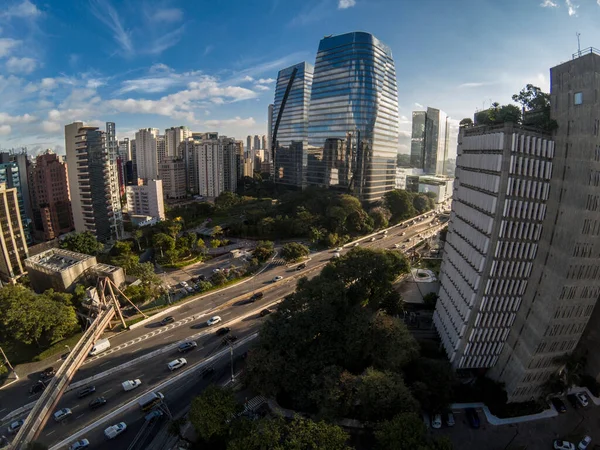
(150, 400)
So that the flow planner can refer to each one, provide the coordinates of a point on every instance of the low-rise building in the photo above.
(146, 199)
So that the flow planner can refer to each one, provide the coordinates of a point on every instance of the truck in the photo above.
(100, 346)
(150, 400)
(114, 430)
(130, 384)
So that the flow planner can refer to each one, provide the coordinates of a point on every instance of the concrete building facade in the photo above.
(146, 153)
(211, 176)
(172, 174)
(146, 199)
(13, 246)
(174, 136)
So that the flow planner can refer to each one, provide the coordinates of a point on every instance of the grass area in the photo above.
(431, 264)
(59, 347)
(19, 353)
(187, 262)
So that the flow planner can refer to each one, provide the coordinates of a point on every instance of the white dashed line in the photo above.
(73, 407)
(48, 434)
(107, 391)
(103, 364)
(80, 415)
(169, 336)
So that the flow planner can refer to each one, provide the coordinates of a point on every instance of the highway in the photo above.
(145, 351)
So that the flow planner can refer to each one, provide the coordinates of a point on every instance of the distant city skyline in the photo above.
(146, 65)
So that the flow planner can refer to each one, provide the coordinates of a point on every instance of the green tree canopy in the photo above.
(263, 251)
(163, 242)
(466, 122)
(84, 242)
(404, 432)
(211, 412)
(294, 251)
(400, 205)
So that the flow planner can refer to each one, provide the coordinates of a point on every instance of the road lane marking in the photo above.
(73, 407)
(167, 337)
(48, 434)
(140, 376)
(227, 313)
(107, 391)
(80, 415)
(3, 409)
(103, 364)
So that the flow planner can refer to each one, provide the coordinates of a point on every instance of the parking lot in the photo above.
(535, 435)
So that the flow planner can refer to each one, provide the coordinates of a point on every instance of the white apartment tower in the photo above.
(146, 199)
(211, 176)
(146, 153)
(174, 136)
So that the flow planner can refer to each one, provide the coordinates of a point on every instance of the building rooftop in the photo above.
(57, 259)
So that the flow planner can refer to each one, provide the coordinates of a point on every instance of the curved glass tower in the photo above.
(353, 116)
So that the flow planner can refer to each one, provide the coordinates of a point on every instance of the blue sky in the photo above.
(210, 64)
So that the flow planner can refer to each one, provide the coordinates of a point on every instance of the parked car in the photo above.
(450, 419)
(558, 404)
(573, 400)
(397, 245)
(559, 444)
(223, 331)
(86, 391)
(97, 403)
(187, 346)
(584, 443)
(356, 244)
(78, 445)
(213, 320)
(177, 364)
(62, 414)
(473, 418)
(301, 266)
(184, 284)
(277, 278)
(582, 399)
(47, 373)
(265, 312)
(37, 387)
(436, 422)
(114, 430)
(167, 320)
(15, 426)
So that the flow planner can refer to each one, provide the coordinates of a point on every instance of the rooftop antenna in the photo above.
(578, 44)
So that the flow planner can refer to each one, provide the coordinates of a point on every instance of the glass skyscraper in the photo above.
(291, 140)
(353, 116)
(430, 140)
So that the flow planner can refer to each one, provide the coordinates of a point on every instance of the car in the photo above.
(301, 266)
(157, 413)
(167, 320)
(403, 233)
(47, 373)
(559, 444)
(584, 443)
(339, 249)
(573, 400)
(177, 364)
(419, 235)
(216, 270)
(407, 240)
(62, 414)
(37, 387)
(396, 245)
(436, 422)
(78, 445)
(582, 399)
(223, 331)
(86, 391)
(473, 418)
(184, 284)
(403, 246)
(186, 346)
(277, 278)
(336, 255)
(131, 384)
(114, 430)
(189, 289)
(229, 339)
(97, 403)
(558, 404)
(450, 419)
(372, 239)
(356, 244)
(265, 312)
(257, 296)
(15, 426)
(213, 320)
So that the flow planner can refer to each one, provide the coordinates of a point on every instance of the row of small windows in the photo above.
(520, 230)
(526, 392)
(534, 146)
(576, 311)
(538, 377)
(583, 250)
(524, 210)
(530, 167)
(505, 287)
(515, 250)
(593, 202)
(528, 188)
(591, 227)
(504, 304)
(511, 269)
(484, 348)
(583, 272)
(481, 361)
(560, 346)
(542, 363)
(565, 329)
(489, 322)
(594, 179)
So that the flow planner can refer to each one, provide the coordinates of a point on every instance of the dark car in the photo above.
(47, 373)
(301, 266)
(559, 405)
(97, 403)
(573, 400)
(265, 312)
(86, 391)
(229, 339)
(37, 387)
(187, 346)
(223, 331)
(473, 418)
(257, 296)
(167, 320)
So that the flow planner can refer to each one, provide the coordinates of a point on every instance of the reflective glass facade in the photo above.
(353, 116)
(292, 134)
(429, 141)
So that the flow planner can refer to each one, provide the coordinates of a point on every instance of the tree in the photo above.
(263, 251)
(218, 278)
(84, 242)
(421, 203)
(163, 242)
(211, 412)
(124, 257)
(294, 251)
(380, 216)
(137, 235)
(466, 122)
(430, 300)
(226, 200)
(399, 203)
(432, 383)
(404, 432)
(217, 231)
(532, 98)
(175, 427)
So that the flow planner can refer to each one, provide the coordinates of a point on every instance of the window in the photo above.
(578, 98)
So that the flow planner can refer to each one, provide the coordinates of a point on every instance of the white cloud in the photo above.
(51, 127)
(160, 67)
(26, 9)
(165, 41)
(261, 87)
(7, 119)
(6, 46)
(571, 7)
(248, 78)
(344, 4)
(106, 14)
(549, 4)
(21, 65)
(168, 15)
(473, 85)
(209, 48)
(418, 105)
(5, 129)
(237, 121)
(404, 134)
(271, 80)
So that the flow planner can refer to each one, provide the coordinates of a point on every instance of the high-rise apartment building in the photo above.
(146, 199)
(269, 133)
(430, 141)
(124, 155)
(146, 152)
(13, 248)
(161, 148)
(291, 136)
(93, 182)
(134, 174)
(21, 159)
(249, 145)
(230, 164)
(51, 203)
(257, 143)
(211, 179)
(174, 136)
(116, 190)
(190, 159)
(173, 176)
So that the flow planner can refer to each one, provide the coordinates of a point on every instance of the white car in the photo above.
(356, 244)
(184, 284)
(277, 278)
(582, 399)
(372, 239)
(436, 422)
(131, 384)
(176, 364)
(62, 414)
(585, 442)
(336, 255)
(563, 445)
(216, 270)
(82, 443)
(213, 320)
(396, 245)
(114, 430)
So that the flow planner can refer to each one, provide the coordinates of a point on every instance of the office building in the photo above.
(146, 199)
(125, 149)
(51, 203)
(146, 152)
(124, 155)
(354, 116)
(430, 141)
(11, 175)
(269, 132)
(13, 247)
(93, 182)
(134, 174)
(249, 145)
(172, 174)
(174, 136)
(290, 139)
(257, 143)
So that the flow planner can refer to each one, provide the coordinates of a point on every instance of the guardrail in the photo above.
(37, 418)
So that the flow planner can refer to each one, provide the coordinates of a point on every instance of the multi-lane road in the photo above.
(145, 351)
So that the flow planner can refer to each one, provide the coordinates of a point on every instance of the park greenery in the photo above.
(334, 349)
(84, 242)
(294, 251)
